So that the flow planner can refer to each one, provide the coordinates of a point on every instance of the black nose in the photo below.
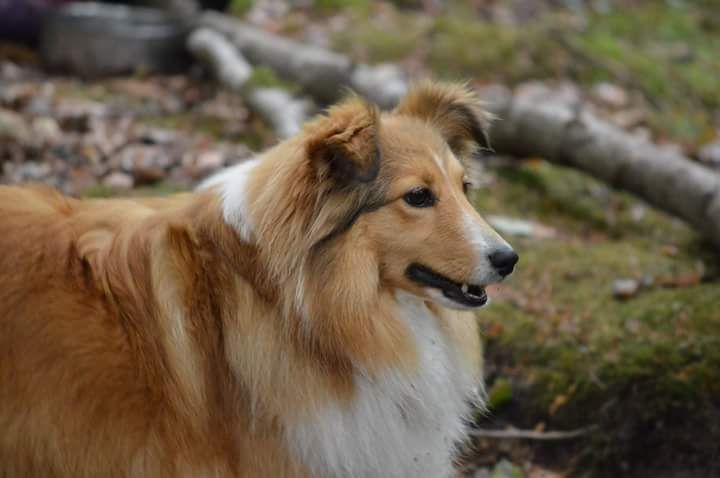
(503, 260)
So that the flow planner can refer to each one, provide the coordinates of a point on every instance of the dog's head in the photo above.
(400, 178)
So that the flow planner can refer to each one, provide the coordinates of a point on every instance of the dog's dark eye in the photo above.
(420, 197)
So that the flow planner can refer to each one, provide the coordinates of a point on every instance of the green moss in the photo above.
(463, 48)
(162, 188)
(99, 191)
(392, 40)
(264, 76)
(500, 394)
(334, 5)
(240, 7)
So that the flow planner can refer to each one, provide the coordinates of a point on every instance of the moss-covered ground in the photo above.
(565, 352)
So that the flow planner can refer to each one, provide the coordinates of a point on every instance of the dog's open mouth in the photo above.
(469, 295)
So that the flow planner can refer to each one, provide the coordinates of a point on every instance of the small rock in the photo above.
(46, 130)
(520, 227)
(118, 180)
(209, 162)
(610, 94)
(710, 154)
(642, 134)
(505, 469)
(624, 289)
(10, 71)
(147, 164)
(14, 128)
(638, 212)
(31, 171)
(39, 105)
(158, 136)
(482, 473)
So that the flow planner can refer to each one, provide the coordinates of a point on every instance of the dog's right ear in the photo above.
(454, 110)
(344, 145)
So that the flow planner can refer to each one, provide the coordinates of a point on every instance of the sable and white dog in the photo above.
(307, 313)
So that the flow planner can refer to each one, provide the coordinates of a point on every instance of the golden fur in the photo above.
(146, 338)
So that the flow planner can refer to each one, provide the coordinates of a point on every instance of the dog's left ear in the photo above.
(344, 144)
(455, 110)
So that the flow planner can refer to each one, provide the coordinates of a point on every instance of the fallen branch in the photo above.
(515, 434)
(569, 137)
(322, 73)
(284, 113)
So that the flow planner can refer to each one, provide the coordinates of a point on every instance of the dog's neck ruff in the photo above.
(397, 425)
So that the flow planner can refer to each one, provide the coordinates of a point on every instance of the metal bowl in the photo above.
(96, 39)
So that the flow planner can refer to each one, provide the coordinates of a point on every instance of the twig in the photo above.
(515, 434)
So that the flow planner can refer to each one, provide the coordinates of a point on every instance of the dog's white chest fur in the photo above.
(397, 425)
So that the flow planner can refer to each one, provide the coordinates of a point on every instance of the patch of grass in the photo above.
(162, 188)
(395, 38)
(462, 48)
(240, 7)
(500, 394)
(668, 53)
(334, 5)
(264, 76)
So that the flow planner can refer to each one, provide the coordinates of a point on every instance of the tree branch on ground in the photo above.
(515, 434)
(570, 137)
(322, 73)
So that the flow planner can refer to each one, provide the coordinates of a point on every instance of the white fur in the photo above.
(484, 240)
(397, 425)
(232, 184)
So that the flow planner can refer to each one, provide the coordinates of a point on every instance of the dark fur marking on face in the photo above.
(345, 225)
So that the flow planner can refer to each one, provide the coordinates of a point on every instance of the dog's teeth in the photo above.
(464, 288)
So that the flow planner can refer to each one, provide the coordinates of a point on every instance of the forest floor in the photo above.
(612, 320)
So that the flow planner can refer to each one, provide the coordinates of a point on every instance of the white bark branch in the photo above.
(516, 434)
(284, 113)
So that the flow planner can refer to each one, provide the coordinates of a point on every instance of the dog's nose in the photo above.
(503, 260)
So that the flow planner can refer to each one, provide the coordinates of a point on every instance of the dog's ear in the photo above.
(454, 110)
(344, 144)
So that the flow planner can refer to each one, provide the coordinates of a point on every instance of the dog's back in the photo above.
(92, 384)
(63, 354)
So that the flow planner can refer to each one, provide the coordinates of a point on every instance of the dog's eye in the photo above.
(420, 197)
(466, 186)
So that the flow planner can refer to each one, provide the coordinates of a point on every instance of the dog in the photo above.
(308, 313)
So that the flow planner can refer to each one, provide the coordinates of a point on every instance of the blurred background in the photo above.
(609, 331)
